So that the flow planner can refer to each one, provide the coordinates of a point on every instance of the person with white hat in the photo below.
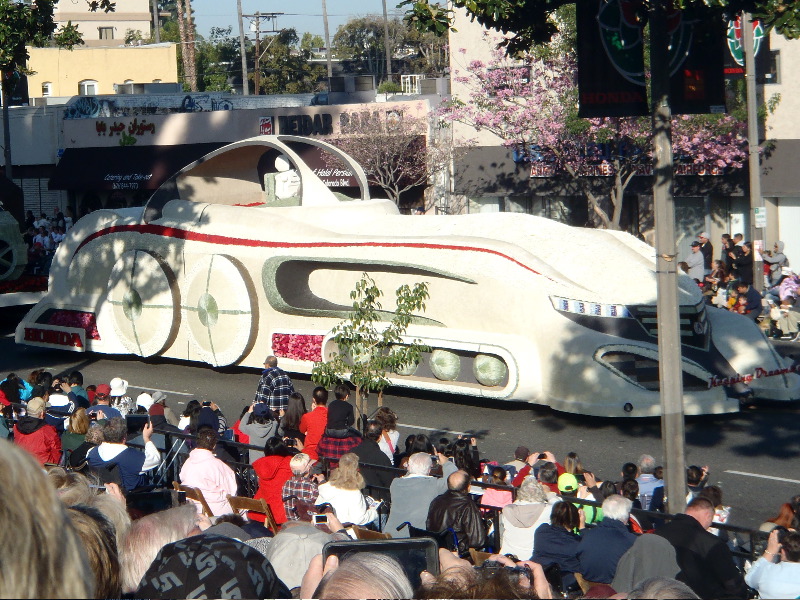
(119, 398)
(707, 250)
(145, 401)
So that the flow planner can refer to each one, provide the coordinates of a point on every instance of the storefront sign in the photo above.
(320, 124)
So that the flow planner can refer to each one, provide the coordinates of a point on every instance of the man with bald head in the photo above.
(456, 509)
(705, 561)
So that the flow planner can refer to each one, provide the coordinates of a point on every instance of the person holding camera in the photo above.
(777, 573)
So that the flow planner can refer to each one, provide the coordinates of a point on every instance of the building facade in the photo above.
(92, 71)
(101, 29)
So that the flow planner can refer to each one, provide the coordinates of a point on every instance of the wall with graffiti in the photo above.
(92, 107)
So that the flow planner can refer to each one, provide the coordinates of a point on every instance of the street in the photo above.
(752, 455)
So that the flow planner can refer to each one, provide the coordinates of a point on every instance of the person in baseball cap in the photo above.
(102, 405)
(707, 250)
(568, 484)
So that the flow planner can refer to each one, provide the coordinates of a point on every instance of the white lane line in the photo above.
(763, 476)
(151, 389)
(432, 429)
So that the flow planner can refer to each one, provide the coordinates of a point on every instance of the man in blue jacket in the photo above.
(602, 546)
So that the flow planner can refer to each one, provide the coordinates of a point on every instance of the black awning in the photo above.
(124, 168)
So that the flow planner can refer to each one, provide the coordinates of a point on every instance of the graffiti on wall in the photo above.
(94, 107)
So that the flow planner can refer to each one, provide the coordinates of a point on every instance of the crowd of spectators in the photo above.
(85, 457)
(727, 283)
(43, 235)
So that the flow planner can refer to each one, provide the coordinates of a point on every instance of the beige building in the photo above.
(106, 29)
(94, 71)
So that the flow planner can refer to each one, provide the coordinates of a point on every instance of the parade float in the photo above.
(15, 287)
(247, 253)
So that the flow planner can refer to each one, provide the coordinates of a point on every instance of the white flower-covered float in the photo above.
(247, 253)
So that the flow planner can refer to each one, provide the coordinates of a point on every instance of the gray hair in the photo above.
(366, 575)
(299, 463)
(647, 464)
(531, 490)
(419, 463)
(37, 537)
(617, 507)
(147, 536)
(662, 588)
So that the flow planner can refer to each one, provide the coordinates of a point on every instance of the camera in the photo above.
(206, 403)
(542, 456)
(319, 519)
(290, 442)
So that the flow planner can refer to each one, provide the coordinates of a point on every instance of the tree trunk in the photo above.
(184, 44)
(190, 46)
(380, 398)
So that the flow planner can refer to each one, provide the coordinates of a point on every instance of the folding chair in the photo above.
(196, 495)
(242, 504)
(444, 539)
(362, 533)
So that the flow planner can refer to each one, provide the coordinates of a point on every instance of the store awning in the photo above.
(124, 168)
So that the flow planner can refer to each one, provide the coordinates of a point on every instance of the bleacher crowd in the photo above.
(103, 495)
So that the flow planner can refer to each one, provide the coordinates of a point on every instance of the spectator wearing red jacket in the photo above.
(37, 437)
(313, 423)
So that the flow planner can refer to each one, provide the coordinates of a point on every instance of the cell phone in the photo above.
(414, 555)
(319, 519)
(542, 456)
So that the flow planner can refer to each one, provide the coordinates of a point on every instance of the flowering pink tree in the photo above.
(531, 105)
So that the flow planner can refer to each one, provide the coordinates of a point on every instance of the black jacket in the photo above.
(458, 511)
(369, 452)
(705, 561)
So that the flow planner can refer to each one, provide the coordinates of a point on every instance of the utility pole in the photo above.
(256, 73)
(387, 43)
(245, 83)
(753, 158)
(669, 340)
(256, 27)
(327, 41)
(156, 23)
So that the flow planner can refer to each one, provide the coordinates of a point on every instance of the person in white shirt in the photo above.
(777, 573)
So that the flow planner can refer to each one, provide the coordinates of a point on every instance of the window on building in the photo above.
(87, 87)
(47, 89)
(106, 33)
(156, 81)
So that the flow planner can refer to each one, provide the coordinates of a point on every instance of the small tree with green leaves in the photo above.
(370, 344)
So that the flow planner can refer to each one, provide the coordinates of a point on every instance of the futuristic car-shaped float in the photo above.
(247, 253)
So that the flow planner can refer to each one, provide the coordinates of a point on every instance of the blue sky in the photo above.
(303, 15)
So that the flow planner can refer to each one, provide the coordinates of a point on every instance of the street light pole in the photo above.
(327, 41)
(669, 341)
(387, 43)
(245, 85)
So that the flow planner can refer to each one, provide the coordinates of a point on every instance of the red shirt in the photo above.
(273, 472)
(242, 438)
(312, 425)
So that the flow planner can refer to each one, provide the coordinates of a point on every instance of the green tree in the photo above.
(371, 342)
(360, 42)
(217, 60)
(286, 69)
(310, 41)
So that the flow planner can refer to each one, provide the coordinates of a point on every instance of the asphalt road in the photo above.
(753, 455)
